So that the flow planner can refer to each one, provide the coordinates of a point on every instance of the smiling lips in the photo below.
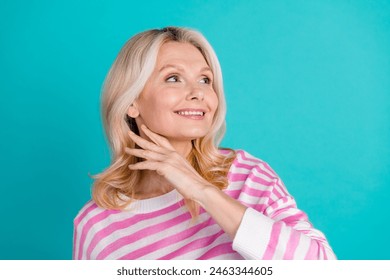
(194, 114)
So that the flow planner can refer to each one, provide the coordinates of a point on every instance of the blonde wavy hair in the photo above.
(123, 85)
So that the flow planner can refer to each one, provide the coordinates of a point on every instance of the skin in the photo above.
(165, 137)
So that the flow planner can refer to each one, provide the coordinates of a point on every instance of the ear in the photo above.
(133, 111)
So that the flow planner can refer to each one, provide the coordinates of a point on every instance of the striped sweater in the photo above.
(161, 227)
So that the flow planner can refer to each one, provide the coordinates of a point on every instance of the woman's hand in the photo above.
(160, 156)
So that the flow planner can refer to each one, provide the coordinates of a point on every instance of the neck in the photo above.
(184, 148)
(151, 185)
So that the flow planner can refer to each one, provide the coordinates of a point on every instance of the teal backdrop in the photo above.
(307, 85)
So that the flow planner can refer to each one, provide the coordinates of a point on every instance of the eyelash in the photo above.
(208, 80)
(172, 76)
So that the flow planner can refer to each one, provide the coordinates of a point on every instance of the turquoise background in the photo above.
(307, 85)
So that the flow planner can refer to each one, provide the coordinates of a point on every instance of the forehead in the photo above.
(180, 53)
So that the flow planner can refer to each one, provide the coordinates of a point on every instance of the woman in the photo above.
(170, 193)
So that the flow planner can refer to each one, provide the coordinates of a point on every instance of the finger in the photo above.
(146, 154)
(156, 138)
(145, 144)
(147, 165)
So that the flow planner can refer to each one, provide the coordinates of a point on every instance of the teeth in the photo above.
(190, 113)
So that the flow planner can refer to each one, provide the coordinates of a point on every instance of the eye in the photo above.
(172, 79)
(205, 80)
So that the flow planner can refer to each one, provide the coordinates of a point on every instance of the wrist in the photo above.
(203, 194)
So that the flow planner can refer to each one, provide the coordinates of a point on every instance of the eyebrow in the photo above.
(181, 68)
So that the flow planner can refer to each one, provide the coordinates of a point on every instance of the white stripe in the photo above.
(266, 177)
(224, 238)
(280, 249)
(248, 199)
(233, 186)
(287, 213)
(240, 171)
(248, 162)
(253, 235)
(302, 248)
(257, 186)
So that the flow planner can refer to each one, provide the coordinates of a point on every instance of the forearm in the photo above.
(226, 211)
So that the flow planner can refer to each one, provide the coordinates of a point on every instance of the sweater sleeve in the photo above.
(272, 227)
(260, 237)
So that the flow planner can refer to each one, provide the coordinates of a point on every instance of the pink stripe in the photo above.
(236, 176)
(147, 231)
(283, 209)
(258, 207)
(261, 181)
(165, 242)
(219, 250)
(125, 224)
(251, 178)
(95, 219)
(244, 157)
(271, 203)
(292, 245)
(244, 166)
(269, 169)
(282, 188)
(194, 245)
(324, 252)
(276, 192)
(259, 194)
(312, 253)
(276, 204)
(298, 217)
(269, 174)
(255, 192)
(273, 242)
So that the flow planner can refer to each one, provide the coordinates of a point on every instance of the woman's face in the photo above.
(178, 100)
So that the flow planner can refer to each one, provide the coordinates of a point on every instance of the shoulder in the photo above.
(89, 213)
(254, 183)
(245, 163)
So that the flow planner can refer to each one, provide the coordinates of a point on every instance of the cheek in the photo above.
(156, 106)
(214, 102)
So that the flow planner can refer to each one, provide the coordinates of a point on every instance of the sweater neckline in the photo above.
(154, 203)
(142, 206)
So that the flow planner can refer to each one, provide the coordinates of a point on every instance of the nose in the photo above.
(195, 93)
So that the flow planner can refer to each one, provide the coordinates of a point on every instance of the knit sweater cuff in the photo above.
(253, 235)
